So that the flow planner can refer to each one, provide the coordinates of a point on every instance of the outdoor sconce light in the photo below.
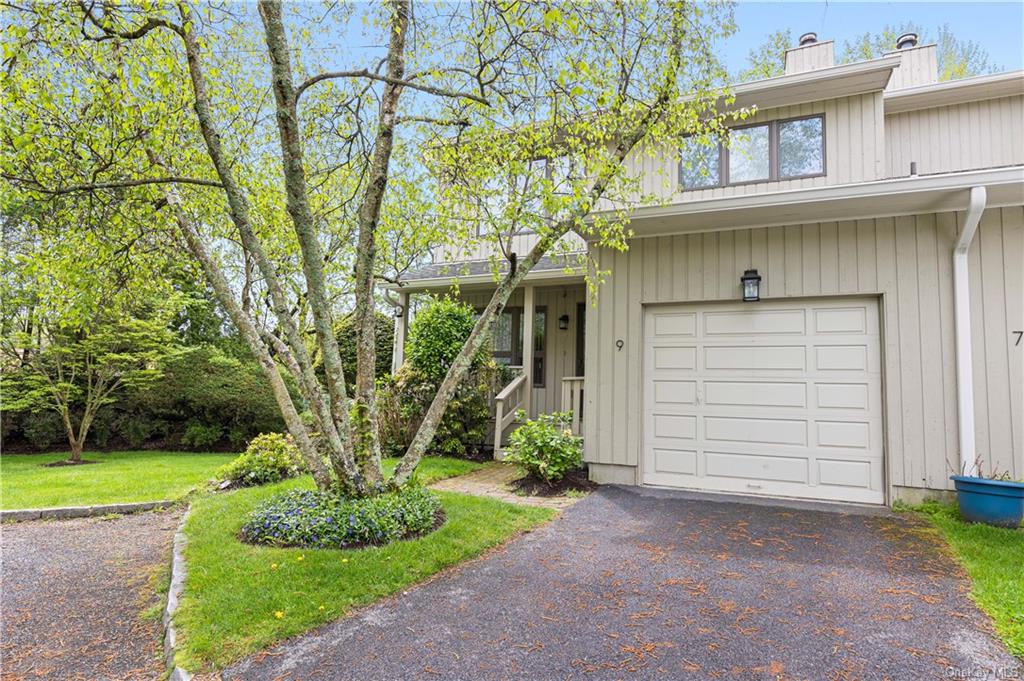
(751, 283)
(563, 322)
(399, 310)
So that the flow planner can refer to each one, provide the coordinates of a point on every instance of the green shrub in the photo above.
(270, 457)
(201, 436)
(545, 447)
(42, 429)
(345, 330)
(325, 520)
(436, 336)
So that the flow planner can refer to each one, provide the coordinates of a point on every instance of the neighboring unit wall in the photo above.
(983, 134)
(854, 151)
(906, 259)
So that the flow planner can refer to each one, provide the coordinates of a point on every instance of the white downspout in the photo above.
(962, 326)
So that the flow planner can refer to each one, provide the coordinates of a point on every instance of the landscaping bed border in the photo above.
(177, 585)
(65, 512)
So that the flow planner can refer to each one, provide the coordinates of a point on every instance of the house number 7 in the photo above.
(1020, 334)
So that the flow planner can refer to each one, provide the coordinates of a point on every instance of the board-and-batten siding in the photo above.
(854, 151)
(983, 134)
(905, 259)
(560, 355)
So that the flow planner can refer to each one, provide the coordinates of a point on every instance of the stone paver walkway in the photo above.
(493, 481)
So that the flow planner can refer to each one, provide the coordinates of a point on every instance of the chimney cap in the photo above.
(808, 39)
(905, 41)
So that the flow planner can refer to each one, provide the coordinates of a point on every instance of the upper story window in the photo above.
(764, 152)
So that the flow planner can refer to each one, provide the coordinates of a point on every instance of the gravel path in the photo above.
(633, 583)
(73, 594)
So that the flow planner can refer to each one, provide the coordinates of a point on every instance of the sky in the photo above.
(997, 26)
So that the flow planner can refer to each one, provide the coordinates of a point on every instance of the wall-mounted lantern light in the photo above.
(563, 322)
(751, 283)
(399, 310)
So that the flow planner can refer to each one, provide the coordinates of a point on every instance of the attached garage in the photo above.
(780, 398)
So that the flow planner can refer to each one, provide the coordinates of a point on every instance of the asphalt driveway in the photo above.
(73, 596)
(635, 583)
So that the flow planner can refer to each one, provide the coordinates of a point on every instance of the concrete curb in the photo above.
(65, 512)
(178, 572)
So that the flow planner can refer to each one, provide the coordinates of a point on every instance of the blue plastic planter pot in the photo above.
(993, 502)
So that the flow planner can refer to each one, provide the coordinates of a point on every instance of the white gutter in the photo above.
(962, 327)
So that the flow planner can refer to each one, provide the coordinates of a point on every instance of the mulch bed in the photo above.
(64, 462)
(575, 481)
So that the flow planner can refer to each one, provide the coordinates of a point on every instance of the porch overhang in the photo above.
(883, 198)
(480, 274)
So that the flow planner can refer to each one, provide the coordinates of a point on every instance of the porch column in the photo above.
(528, 308)
(401, 328)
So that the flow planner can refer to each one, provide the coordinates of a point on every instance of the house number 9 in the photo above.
(619, 343)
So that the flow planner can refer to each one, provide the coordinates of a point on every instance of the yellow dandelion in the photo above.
(279, 614)
(301, 558)
(322, 607)
(344, 560)
(273, 566)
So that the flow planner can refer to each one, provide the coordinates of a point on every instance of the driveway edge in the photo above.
(65, 512)
(178, 573)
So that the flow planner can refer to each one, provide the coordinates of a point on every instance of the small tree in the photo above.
(75, 371)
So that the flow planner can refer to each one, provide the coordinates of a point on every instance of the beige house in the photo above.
(883, 213)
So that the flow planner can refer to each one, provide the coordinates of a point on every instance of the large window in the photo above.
(507, 343)
(777, 150)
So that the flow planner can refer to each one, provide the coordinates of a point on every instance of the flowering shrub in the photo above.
(545, 447)
(324, 520)
(270, 457)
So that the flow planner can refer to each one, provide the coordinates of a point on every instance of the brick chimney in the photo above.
(809, 54)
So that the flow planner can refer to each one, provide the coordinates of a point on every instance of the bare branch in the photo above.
(401, 82)
(113, 184)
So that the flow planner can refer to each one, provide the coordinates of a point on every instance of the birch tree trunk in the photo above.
(245, 326)
(305, 229)
(368, 434)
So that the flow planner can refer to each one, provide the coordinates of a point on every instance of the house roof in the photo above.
(959, 91)
(551, 269)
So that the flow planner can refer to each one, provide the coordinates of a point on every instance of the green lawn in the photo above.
(240, 598)
(123, 477)
(994, 558)
(120, 477)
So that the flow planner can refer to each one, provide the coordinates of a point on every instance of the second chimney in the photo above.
(809, 54)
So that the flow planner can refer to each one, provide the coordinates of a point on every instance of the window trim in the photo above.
(774, 174)
(516, 314)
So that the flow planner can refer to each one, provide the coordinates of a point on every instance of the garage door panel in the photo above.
(752, 322)
(675, 426)
(846, 434)
(755, 358)
(775, 398)
(846, 473)
(756, 467)
(668, 391)
(675, 357)
(680, 324)
(842, 396)
(755, 394)
(755, 431)
(841, 320)
(678, 461)
(841, 358)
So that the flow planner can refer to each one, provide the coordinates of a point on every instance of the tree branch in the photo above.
(400, 82)
(113, 184)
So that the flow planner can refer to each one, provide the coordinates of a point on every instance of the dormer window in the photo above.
(765, 152)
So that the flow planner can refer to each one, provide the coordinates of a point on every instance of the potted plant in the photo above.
(993, 499)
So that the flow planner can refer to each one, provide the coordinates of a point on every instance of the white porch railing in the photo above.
(506, 403)
(572, 400)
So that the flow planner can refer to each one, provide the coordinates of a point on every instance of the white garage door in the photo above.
(775, 398)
